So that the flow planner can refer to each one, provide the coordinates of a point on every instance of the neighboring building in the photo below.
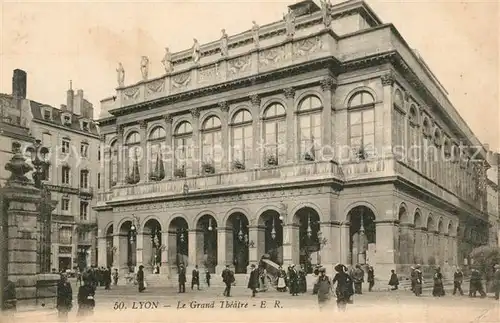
(493, 199)
(235, 147)
(13, 129)
(72, 138)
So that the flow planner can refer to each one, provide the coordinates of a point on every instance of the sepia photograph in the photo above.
(250, 161)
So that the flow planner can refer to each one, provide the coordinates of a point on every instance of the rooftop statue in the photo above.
(120, 75)
(289, 23)
(224, 43)
(326, 8)
(167, 61)
(255, 33)
(144, 67)
(196, 51)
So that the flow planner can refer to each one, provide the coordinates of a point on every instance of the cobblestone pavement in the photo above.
(125, 304)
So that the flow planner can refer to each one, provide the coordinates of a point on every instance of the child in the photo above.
(394, 281)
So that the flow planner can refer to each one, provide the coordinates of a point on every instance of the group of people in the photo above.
(293, 280)
(99, 276)
(85, 297)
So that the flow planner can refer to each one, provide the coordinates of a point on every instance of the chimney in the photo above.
(78, 103)
(19, 79)
(70, 94)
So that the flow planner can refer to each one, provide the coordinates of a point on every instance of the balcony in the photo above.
(86, 192)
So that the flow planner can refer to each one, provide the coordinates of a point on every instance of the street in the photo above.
(125, 304)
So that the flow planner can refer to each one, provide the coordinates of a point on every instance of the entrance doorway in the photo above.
(64, 263)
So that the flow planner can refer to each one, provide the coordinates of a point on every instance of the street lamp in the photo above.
(322, 242)
(39, 161)
(133, 228)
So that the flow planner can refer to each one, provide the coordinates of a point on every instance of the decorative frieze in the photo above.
(156, 86)
(307, 46)
(181, 81)
(239, 66)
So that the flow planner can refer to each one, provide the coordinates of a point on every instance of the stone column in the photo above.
(116, 252)
(165, 261)
(121, 165)
(436, 247)
(195, 113)
(385, 237)
(407, 242)
(258, 152)
(195, 248)
(169, 155)
(383, 120)
(454, 249)
(291, 244)
(329, 253)
(144, 158)
(291, 142)
(328, 86)
(345, 257)
(224, 108)
(224, 249)
(257, 239)
(103, 251)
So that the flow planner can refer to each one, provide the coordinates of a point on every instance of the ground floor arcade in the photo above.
(369, 225)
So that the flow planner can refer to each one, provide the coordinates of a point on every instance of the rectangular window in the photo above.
(84, 209)
(99, 154)
(65, 146)
(65, 204)
(84, 179)
(65, 235)
(362, 133)
(85, 126)
(84, 150)
(98, 180)
(65, 175)
(47, 115)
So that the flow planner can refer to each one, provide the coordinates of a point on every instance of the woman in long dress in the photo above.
(281, 280)
(344, 286)
(324, 288)
(438, 288)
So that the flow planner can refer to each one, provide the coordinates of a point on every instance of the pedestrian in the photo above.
(476, 285)
(343, 289)
(262, 279)
(413, 278)
(207, 277)
(303, 280)
(496, 282)
(438, 288)
(417, 289)
(458, 278)
(228, 279)
(78, 277)
(253, 280)
(115, 277)
(140, 279)
(281, 286)
(107, 278)
(195, 278)
(182, 279)
(350, 286)
(371, 278)
(294, 280)
(86, 297)
(64, 301)
(9, 299)
(325, 287)
(358, 277)
(394, 281)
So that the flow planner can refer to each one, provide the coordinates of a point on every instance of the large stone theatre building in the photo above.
(321, 138)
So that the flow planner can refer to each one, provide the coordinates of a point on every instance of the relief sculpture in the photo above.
(307, 46)
(156, 86)
(208, 73)
(239, 66)
(182, 80)
(271, 57)
(131, 93)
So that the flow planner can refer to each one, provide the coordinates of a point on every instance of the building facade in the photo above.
(322, 138)
(493, 199)
(72, 138)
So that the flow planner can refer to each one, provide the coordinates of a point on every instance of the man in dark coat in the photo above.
(64, 298)
(476, 285)
(140, 279)
(358, 276)
(303, 280)
(107, 278)
(417, 289)
(195, 277)
(207, 277)
(458, 278)
(253, 280)
(293, 277)
(86, 297)
(413, 278)
(394, 281)
(371, 278)
(182, 279)
(496, 281)
(9, 297)
(228, 279)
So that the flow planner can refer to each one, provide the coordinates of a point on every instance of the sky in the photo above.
(58, 41)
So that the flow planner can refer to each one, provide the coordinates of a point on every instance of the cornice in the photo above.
(71, 130)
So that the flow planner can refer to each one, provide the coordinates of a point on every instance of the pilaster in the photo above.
(224, 108)
(102, 251)
(169, 147)
(139, 250)
(291, 145)
(328, 86)
(195, 114)
(258, 154)
(407, 243)
(256, 234)
(143, 162)
(383, 120)
(121, 164)
(385, 237)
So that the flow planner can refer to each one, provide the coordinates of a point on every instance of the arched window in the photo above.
(274, 134)
(398, 125)
(413, 141)
(362, 124)
(134, 153)
(113, 165)
(212, 148)
(309, 122)
(156, 140)
(242, 139)
(183, 143)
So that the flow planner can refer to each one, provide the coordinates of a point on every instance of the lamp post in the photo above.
(322, 242)
(40, 167)
(132, 240)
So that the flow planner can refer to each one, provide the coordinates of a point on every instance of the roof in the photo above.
(15, 132)
(36, 111)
